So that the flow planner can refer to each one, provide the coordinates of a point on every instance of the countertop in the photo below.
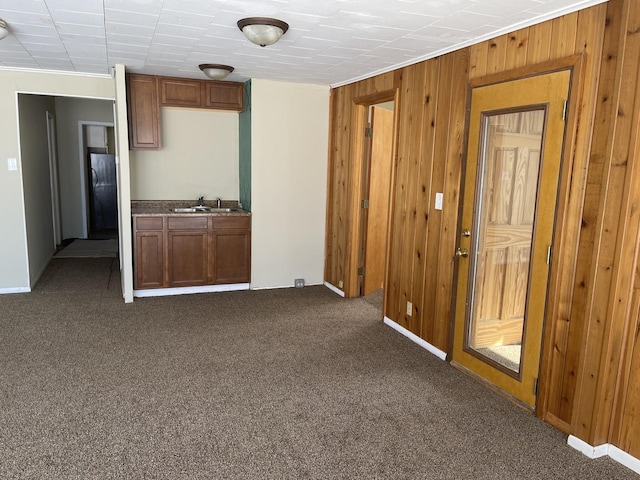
(161, 208)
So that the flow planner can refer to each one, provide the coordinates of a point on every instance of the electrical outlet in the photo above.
(12, 164)
(409, 308)
(340, 284)
(299, 282)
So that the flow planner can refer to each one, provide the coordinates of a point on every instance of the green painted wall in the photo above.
(244, 128)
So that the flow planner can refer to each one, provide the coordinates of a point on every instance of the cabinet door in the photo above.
(188, 258)
(224, 95)
(149, 264)
(180, 92)
(232, 256)
(144, 112)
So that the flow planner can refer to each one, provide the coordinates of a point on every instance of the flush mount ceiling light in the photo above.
(263, 31)
(215, 71)
(4, 29)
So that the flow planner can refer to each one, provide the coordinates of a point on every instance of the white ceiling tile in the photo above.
(329, 41)
(140, 19)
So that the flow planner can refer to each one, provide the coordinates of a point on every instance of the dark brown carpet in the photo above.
(281, 384)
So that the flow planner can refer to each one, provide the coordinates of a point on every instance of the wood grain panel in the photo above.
(412, 106)
(449, 227)
(616, 240)
(423, 235)
(561, 342)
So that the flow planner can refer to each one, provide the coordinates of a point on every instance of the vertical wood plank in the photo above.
(539, 43)
(516, 49)
(497, 54)
(563, 36)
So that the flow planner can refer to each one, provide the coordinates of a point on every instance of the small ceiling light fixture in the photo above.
(215, 71)
(4, 29)
(263, 31)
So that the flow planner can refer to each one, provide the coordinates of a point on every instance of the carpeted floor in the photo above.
(81, 248)
(280, 384)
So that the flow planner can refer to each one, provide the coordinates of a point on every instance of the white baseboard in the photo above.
(624, 458)
(162, 292)
(4, 291)
(334, 289)
(612, 451)
(416, 339)
(277, 287)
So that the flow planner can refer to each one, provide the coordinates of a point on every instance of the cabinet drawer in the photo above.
(187, 223)
(232, 222)
(148, 223)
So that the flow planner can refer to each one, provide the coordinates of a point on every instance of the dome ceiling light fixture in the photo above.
(263, 31)
(215, 71)
(4, 29)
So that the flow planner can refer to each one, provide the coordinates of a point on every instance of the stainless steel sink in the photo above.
(203, 209)
(191, 209)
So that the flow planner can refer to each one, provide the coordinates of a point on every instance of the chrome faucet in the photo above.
(200, 201)
(218, 202)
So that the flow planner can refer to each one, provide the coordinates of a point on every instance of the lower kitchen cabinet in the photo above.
(231, 251)
(188, 258)
(183, 251)
(149, 260)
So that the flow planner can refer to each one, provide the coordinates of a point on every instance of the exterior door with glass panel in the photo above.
(516, 132)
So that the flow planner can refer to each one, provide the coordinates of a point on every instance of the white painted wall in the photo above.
(69, 111)
(199, 157)
(290, 131)
(14, 270)
(34, 153)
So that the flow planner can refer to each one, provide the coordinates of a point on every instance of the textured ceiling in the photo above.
(329, 42)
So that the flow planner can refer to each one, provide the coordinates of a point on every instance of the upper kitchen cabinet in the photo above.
(144, 112)
(186, 92)
(224, 96)
(180, 92)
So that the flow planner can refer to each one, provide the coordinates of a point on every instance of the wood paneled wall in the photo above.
(590, 374)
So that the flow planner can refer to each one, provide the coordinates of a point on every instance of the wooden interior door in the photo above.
(378, 199)
(516, 132)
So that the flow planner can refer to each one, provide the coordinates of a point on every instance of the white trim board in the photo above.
(334, 289)
(277, 287)
(416, 339)
(4, 291)
(612, 451)
(163, 292)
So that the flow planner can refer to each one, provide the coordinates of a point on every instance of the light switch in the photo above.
(438, 201)
(12, 164)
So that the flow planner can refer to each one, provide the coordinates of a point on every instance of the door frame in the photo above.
(565, 231)
(359, 118)
(53, 178)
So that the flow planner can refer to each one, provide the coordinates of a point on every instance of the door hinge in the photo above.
(361, 271)
(549, 253)
(365, 203)
(368, 132)
(564, 110)
(535, 387)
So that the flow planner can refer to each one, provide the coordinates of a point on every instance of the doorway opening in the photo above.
(98, 165)
(377, 155)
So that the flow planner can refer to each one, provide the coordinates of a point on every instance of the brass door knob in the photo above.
(466, 232)
(462, 252)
